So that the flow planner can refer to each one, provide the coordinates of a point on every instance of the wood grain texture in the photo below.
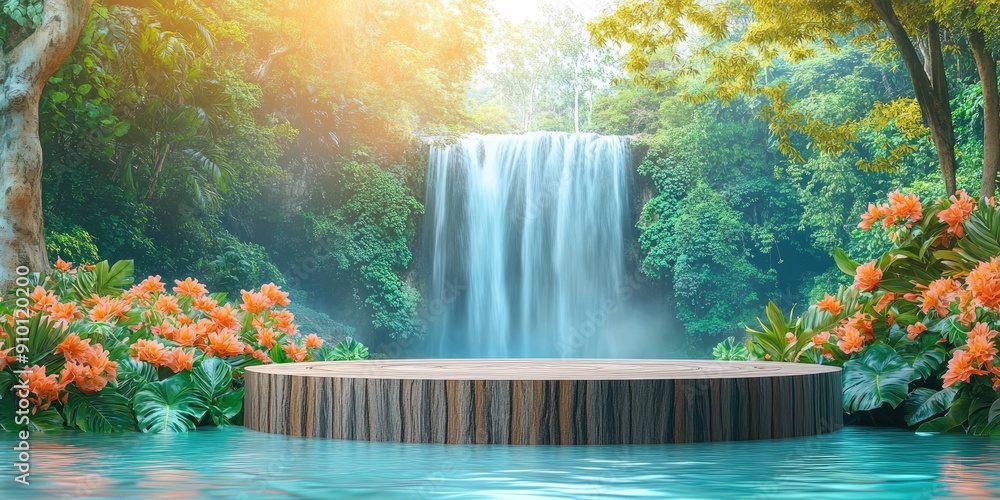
(544, 401)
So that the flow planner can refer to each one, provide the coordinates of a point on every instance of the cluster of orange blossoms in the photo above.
(906, 209)
(979, 289)
(974, 358)
(181, 324)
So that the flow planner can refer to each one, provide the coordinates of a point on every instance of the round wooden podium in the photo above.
(544, 401)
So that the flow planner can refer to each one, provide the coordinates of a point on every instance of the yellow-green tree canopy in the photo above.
(730, 46)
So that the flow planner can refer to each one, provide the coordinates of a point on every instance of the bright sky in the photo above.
(518, 10)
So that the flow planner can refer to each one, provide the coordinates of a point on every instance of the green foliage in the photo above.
(730, 350)
(171, 405)
(879, 376)
(916, 327)
(74, 245)
(105, 411)
(366, 240)
(348, 350)
(95, 364)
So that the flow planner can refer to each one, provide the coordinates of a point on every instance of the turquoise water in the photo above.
(856, 463)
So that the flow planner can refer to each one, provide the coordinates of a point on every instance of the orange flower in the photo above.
(820, 338)
(42, 298)
(266, 337)
(150, 351)
(283, 317)
(98, 358)
(64, 314)
(874, 213)
(62, 265)
(109, 309)
(861, 322)
(206, 303)
(179, 360)
(5, 358)
(905, 207)
(829, 303)
(186, 336)
(165, 330)
(867, 276)
(312, 341)
(291, 328)
(224, 317)
(961, 368)
(980, 345)
(966, 307)
(261, 356)
(914, 330)
(152, 285)
(850, 340)
(296, 352)
(190, 287)
(167, 304)
(224, 344)
(955, 215)
(73, 348)
(939, 295)
(87, 379)
(984, 283)
(274, 294)
(44, 389)
(884, 301)
(254, 303)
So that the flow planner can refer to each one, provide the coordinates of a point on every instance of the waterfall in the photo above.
(525, 239)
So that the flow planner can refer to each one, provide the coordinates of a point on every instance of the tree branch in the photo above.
(33, 61)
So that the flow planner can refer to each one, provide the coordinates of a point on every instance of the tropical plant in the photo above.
(107, 355)
(915, 331)
(731, 350)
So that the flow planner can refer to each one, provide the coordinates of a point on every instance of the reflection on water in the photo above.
(855, 463)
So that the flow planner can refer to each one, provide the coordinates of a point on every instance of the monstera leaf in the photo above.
(878, 376)
(213, 378)
(134, 375)
(105, 411)
(923, 404)
(171, 405)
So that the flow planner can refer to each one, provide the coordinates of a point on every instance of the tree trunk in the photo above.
(986, 64)
(23, 73)
(931, 91)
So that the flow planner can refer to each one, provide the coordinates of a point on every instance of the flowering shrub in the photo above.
(918, 327)
(102, 357)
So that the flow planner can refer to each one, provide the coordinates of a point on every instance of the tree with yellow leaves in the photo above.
(746, 37)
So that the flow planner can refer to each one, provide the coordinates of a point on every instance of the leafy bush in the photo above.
(917, 328)
(105, 355)
(74, 243)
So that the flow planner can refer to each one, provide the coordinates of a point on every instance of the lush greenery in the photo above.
(247, 142)
(915, 331)
(104, 356)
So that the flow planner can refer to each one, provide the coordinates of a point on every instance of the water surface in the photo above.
(854, 463)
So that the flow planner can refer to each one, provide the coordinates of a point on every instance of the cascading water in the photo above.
(525, 237)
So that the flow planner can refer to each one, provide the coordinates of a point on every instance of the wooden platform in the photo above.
(543, 401)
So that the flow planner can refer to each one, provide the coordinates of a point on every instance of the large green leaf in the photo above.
(213, 377)
(171, 405)
(105, 411)
(925, 355)
(104, 279)
(133, 375)
(924, 404)
(223, 410)
(878, 376)
(846, 265)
